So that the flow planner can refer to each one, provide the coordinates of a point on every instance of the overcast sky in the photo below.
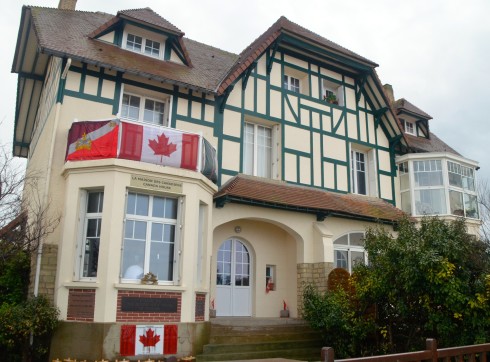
(435, 53)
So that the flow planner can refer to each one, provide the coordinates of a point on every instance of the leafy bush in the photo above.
(431, 280)
(35, 316)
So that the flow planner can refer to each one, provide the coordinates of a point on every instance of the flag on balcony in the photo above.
(92, 140)
(158, 145)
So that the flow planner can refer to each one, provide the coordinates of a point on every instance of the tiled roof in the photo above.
(403, 104)
(147, 15)
(434, 144)
(65, 33)
(259, 45)
(278, 194)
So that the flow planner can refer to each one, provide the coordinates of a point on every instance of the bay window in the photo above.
(149, 237)
(438, 187)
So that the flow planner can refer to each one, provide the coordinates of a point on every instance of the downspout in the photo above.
(48, 178)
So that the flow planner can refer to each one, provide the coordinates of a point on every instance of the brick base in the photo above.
(147, 316)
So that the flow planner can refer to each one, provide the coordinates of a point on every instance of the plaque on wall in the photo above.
(149, 305)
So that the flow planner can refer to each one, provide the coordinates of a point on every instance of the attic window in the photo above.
(409, 128)
(144, 41)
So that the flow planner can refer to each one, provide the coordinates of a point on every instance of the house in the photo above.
(190, 178)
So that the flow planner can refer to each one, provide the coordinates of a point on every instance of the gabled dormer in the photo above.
(145, 32)
(415, 122)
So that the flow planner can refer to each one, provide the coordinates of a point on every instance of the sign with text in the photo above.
(156, 183)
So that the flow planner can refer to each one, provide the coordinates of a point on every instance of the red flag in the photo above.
(92, 140)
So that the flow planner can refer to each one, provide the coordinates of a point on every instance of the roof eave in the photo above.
(54, 52)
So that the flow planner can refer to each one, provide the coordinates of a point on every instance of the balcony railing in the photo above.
(113, 138)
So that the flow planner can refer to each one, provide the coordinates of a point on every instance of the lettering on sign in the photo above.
(156, 183)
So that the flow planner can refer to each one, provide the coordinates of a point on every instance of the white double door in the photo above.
(233, 279)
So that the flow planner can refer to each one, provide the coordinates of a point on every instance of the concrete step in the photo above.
(261, 338)
(264, 346)
(304, 354)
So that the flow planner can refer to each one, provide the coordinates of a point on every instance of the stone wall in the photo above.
(312, 273)
(47, 275)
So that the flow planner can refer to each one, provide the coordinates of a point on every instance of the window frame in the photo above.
(144, 39)
(410, 127)
(141, 109)
(273, 150)
(349, 248)
(335, 88)
(468, 194)
(85, 216)
(150, 220)
(287, 82)
(354, 171)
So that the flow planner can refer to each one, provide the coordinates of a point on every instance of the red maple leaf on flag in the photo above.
(150, 339)
(162, 147)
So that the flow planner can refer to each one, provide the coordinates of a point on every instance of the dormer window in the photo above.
(135, 44)
(410, 128)
(144, 41)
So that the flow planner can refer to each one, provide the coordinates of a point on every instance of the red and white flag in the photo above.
(148, 339)
(161, 146)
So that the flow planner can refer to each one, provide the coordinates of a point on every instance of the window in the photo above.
(359, 172)
(143, 45)
(291, 83)
(462, 195)
(438, 187)
(429, 188)
(349, 251)
(149, 237)
(409, 128)
(89, 251)
(270, 278)
(143, 109)
(257, 150)
(332, 92)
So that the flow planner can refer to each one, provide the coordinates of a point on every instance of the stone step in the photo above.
(264, 336)
(264, 346)
(299, 354)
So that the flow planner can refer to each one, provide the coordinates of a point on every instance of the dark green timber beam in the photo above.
(361, 87)
(224, 97)
(273, 55)
(247, 74)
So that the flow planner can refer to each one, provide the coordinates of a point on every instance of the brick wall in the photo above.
(148, 306)
(200, 307)
(312, 273)
(81, 305)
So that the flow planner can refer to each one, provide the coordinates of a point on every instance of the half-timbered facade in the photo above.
(191, 179)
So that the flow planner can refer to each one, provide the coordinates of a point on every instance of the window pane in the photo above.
(428, 173)
(343, 240)
(430, 202)
(93, 227)
(162, 260)
(264, 151)
(406, 204)
(157, 232)
(90, 257)
(142, 202)
(357, 257)
(170, 208)
(341, 259)
(248, 149)
(133, 258)
(456, 202)
(471, 206)
(356, 239)
(152, 48)
(153, 112)
(134, 42)
(95, 200)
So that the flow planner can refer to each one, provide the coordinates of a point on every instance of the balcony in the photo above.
(113, 138)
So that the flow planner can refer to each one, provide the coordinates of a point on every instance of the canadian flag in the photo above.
(162, 146)
(148, 339)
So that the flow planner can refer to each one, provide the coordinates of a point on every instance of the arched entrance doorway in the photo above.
(233, 279)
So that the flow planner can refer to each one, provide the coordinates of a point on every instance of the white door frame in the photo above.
(232, 268)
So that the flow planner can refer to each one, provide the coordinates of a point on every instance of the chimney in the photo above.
(388, 88)
(67, 4)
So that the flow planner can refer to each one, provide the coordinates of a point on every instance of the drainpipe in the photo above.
(48, 179)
